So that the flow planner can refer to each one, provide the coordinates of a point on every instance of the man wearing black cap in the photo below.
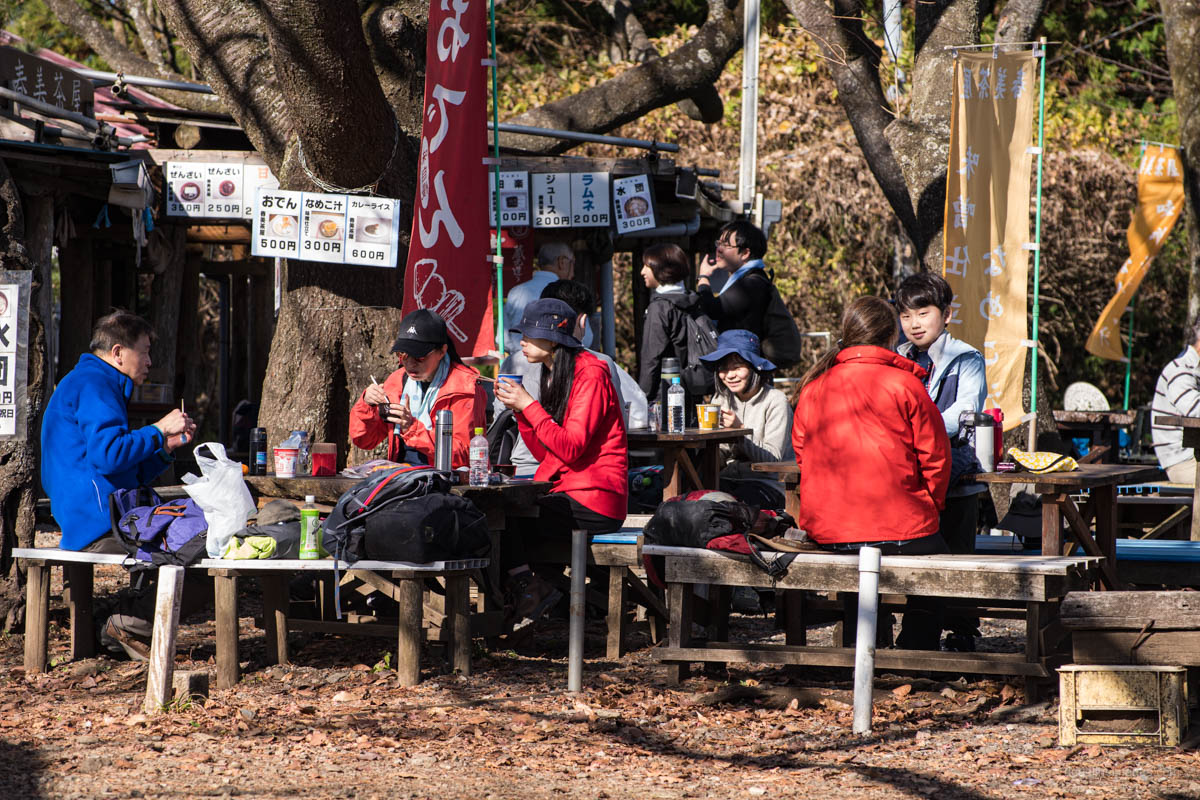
(431, 378)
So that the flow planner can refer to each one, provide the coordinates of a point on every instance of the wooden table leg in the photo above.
(711, 466)
(408, 644)
(37, 616)
(1105, 499)
(1051, 525)
(679, 632)
(792, 603)
(226, 613)
(791, 499)
(1034, 614)
(162, 640)
(458, 623)
(1195, 535)
(276, 604)
(673, 484)
(616, 612)
(79, 602)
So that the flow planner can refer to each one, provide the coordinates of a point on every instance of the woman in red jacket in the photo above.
(576, 432)
(873, 454)
(431, 378)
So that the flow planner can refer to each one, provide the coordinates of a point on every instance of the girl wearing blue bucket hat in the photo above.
(746, 399)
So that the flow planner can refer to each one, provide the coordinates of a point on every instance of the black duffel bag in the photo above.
(345, 527)
(436, 527)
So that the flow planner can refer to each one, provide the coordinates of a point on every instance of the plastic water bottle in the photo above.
(310, 530)
(480, 466)
(675, 397)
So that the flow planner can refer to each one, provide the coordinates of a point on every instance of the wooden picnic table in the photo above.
(1191, 438)
(502, 504)
(1101, 480)
(1101, 427)
(678, 464)
(789, 475)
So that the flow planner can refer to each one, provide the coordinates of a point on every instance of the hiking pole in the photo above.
(579, 552)
(864, 645)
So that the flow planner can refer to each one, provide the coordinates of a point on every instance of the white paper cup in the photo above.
(285, 462)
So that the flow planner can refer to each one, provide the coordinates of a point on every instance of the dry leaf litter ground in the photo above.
(335, 724)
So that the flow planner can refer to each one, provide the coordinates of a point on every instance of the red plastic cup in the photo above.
(324, 459)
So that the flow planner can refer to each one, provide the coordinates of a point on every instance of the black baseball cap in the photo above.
(420, 331)
(547, 318)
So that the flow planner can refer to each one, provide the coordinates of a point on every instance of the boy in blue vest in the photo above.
(956, 382)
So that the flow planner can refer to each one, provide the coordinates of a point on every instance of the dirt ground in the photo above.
(335, 724)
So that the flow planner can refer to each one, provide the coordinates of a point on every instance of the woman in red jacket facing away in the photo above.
(431, 378)
(576, 432)
(873, 453)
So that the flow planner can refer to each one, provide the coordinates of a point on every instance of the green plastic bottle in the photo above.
(310, 529)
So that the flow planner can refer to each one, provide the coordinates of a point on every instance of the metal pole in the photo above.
(608, 313)
(499, 255)
(579, 548)
(139, 80)
(751, 25)
(864, 645)
(1039, 53)
(1129, 354)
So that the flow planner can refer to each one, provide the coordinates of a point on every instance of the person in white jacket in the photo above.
(747, 399)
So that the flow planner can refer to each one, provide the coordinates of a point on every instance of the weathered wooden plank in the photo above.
(408, 643)
(1131, 610)
(990, 663)
(1168, 648)
(616, 612)
(225, 611)
(457, 610)
(37, 616)
(79, 603)
(276, 603)
(159, 687)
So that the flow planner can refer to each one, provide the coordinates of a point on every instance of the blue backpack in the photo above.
(156, 532)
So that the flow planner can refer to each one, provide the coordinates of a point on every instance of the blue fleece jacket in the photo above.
(88, 450)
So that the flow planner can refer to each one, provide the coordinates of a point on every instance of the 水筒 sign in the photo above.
(632, 204)
(42, 80)
(514, 198)
(551, 200)
(215, 190)
(589, 200)
(15, 287)
(330, 228)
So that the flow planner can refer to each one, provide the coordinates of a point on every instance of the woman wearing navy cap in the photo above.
(576, 432)
(746, 399)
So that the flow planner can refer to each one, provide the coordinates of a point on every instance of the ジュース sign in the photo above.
(448, 267)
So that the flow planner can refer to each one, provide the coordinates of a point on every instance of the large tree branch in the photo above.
(1019, 20)
(689, 70)
(121, 59)
(226, 41)
(332, 78)
(141, 10)
(854, 60)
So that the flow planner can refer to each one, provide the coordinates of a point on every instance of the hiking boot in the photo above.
(112, 637)
(533, 598)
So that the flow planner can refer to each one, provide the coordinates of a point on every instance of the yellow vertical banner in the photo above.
(1160, 201)
(987, 216)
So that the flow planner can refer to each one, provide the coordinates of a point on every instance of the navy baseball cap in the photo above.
(420, 331)
(742, 343)
(547, 318)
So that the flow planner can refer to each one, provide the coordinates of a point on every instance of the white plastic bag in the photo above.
(221, 494)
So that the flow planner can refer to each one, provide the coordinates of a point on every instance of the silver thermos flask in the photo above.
(443, 440)
(980, 433)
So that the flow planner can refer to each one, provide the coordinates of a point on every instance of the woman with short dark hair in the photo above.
(664, 334)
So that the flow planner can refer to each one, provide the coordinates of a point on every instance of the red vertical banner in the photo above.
(448, 268)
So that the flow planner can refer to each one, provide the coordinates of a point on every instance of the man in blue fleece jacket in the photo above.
(88, 450)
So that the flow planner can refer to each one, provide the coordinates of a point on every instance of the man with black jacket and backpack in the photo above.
(743, 299)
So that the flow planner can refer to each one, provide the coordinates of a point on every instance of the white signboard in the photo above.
(589, 200)
(372, 231)
(277, 224)
(551, 200)
(632, 204)
(514, 198)
(215, 190)
(14, 325)
(330, 228)
(185, 188)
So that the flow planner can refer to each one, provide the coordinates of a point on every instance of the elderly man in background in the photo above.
(1178, 393)
(556, 261)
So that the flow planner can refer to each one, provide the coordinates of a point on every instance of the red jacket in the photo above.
(461, 393)
(872, 448)
(587, 456)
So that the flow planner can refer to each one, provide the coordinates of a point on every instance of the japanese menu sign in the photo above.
(330, 228)
(589, 200)
(222, 190)
(15, 287)
(514, 198)
(43, 80)
(632, 204)
(552, 200)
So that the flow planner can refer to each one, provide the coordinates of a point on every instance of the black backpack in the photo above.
(421, 530)
(345, 527)
(502, 437)
(781, 339)
(695, 376)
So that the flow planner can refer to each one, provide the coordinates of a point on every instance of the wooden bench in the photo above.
(1141, 562)
(407, 582)
(1160, 628)
(1035, 582)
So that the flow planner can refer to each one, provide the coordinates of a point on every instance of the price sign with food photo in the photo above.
(223, 190)
(372, 231)
(633, 205)
(323, 228)
(185, 189)
(277, 223)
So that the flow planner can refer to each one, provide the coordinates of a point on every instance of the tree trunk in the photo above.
(1181, 18)
(18, 460)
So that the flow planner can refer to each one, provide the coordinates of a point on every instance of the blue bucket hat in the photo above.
(742, 343)
(547, 318)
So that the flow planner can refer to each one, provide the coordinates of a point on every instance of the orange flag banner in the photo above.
(1160, 201)
(987, 216)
